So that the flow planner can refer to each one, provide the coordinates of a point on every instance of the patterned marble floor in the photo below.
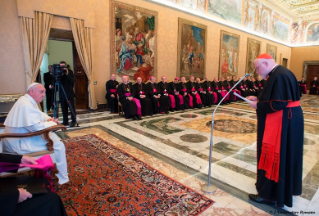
(180, 143)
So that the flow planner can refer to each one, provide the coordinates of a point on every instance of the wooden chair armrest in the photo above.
(44, 132)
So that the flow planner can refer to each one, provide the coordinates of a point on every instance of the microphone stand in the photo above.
(208, 188)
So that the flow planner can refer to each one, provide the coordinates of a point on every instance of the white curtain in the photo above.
(83, 43)
(35, 34)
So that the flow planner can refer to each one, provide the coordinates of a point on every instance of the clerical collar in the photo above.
(31, 99)
(273, 69)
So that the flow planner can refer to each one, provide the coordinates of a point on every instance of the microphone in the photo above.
(208, 187)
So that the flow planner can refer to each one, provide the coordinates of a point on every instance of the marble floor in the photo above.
(177, 144)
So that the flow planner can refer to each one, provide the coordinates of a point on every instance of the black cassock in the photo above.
(40, 204)
(191, 89)
(302, 87)
(146, 103)
(313, 87)
(217, 89)
(129, 107)
(174, 89)
(207, 85)
(49, 80)
(241, 87)
(182, 91)
(165, 100)
(111, 89)
(251, 88)
(281, 87)
(227, 86)
(258, 87)
(200, 89)
(159, 104)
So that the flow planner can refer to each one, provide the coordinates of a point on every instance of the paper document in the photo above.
(242, 97)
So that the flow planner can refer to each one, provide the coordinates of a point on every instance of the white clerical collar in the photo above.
(31, 99)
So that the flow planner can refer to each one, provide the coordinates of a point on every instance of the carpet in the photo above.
(105, 180)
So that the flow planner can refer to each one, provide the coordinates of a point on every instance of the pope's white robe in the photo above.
(25, 117)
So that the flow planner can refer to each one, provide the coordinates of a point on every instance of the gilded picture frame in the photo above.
(229, 54)
(191, 51)
(133, 37)
(272, 50)
(253, 51)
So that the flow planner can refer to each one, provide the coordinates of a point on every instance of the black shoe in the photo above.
(134, 117)
(258, 199)
(138, 117)
(72, 124)
(166, 112)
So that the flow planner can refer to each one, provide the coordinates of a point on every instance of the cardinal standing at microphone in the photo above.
(280, 135)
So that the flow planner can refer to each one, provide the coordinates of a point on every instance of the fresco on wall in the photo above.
(280, 28)
(313, 33)
(297, 32)
(253, 50)
(251, 15)
(133, 41)
(229, 49)
(272, 50)
(265, 20)
(229, 10)
(191, 49)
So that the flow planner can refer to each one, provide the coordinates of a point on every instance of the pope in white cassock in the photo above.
(25, 117)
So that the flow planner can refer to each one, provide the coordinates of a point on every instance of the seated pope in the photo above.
(24, 117)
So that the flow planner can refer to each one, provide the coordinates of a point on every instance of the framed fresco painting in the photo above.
(133, 41)
(253, 51)
(229, 49)
(191, 51)
(272, 50)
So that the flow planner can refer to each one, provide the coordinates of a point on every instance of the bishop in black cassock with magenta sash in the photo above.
(280, 135)
(111, 94)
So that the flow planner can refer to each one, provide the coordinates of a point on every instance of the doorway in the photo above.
(311, 70)
(61, 47)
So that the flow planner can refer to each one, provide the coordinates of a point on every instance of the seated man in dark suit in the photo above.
(21, 202)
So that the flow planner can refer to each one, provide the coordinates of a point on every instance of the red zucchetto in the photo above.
(265, 56)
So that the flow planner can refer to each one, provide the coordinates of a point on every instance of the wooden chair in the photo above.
(49, 145)
(120, 107)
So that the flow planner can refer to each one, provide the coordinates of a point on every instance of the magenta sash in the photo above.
(154, 90)
(305, 90)
(113, 91)
(190, 100)
(128, 94)
(259, 84)
(173, 104)
(223, 88)
(235, 97)
(138, 105)
(223, 93)
(165, 91)
(193, 89)
(200, 89)
(184, 90)
(198, 99)
(142, 93)
(217, 88)
(215, 98)
(44, 163)
(241, 87)
(181, 99)
(209, 88)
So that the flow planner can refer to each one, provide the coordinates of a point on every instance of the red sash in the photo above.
(198, 99)
(173, 104)
(190, 100)
(270, 150)
(215, 98)
(181, 99)
(113, 91)
(138, 105)
(128, 94)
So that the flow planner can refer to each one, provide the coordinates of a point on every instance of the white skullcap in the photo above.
(31, 86)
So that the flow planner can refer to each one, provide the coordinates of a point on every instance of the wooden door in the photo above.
(312, 71)
(80, 82)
